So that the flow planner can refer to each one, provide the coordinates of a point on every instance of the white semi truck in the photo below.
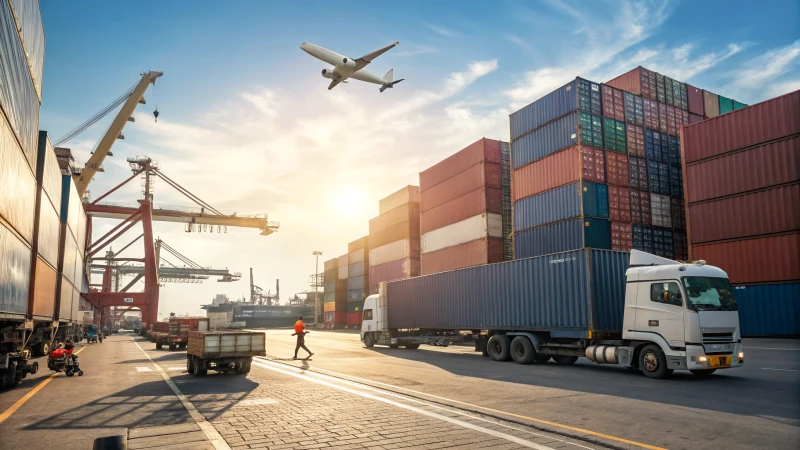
(639, 310)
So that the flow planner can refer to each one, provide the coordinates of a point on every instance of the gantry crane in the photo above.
(258, 297)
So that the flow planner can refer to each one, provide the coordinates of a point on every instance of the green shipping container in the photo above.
(725, 105)
(615, 138)
(738, 105)
(591, 130)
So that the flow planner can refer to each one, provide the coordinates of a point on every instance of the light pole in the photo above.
(316, 253)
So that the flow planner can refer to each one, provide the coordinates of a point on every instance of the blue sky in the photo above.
(247, 123)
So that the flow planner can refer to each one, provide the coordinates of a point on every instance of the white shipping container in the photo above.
(476, 227)
(356, 257)
(85, 317)
(406, 195)
(393, 251)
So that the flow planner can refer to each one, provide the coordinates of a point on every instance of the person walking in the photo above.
(300, 332)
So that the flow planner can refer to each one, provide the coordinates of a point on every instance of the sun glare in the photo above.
(349, 201)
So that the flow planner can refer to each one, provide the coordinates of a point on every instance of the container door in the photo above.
(660, 311)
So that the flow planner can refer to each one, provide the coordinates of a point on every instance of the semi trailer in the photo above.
(632, 308)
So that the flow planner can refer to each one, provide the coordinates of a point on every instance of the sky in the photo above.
(247, 124)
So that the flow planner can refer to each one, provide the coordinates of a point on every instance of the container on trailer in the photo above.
(568, 166)
(619, 204)
(738, 105)
(577, 128)
(642, 236)
(31, 32)
(407, 248)
(17, 182)
(489, 200)
(476, 227)
(44, 291)
(725, 105)
(710, 104)
(640, 207)
(14, 273)
(356, 270)
(636, 141)
(331, 264)
(776, 118)
(614, 136)
(638, 81)
(343, 266)
(359, 244)
(481, 175)
(409, 229)
(578, 94)
(617, 169)
(49, 231)
(573, 200)
(395, 270)
(637, 173)
(226, 344)
(473, 253)
(481, 151)
(66, 293)
(769, 310)
(621, 236)
(408, 194)
(48, 174)
(757, 260)
(562, 236)
(634, 109)
(613, 102)
(650, 110)
(408, 212)
(678, 213)
(771, 211)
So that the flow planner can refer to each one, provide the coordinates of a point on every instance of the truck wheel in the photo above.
(201, 367)
(541, 359)
(653, 363)
(158, 345)
(703, 373)
(246, 366)
(565, 360)
(42, 349)
(369, 340)
(189, 365)
(412, 346)
(498, 347)
(172, 347)
(522, 351)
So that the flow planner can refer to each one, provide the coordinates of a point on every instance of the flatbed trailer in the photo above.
(223, 351)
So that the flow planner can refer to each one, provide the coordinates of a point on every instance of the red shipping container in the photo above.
(474, 253)
(404, 230)
(771, 211)
(478, 176)
(619, 204)
(354, 318)
(468, 205)
(621, 236)
(678, 211)
(336, 318)
(395, 270)
(756, 124)
(672, 120)
(695, 98)
(759, 260)
(640, 207)
(617, 169)
(613, 103)
(619, 105)
(483, 150)
(639, 81)
(558, 169)
(757, 168)
(683, 118)
(635, 136)
(662, 118)
(650, 108)
(694, 118)
(404, 213)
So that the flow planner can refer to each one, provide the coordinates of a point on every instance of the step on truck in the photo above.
(223, 351)
(634, 309)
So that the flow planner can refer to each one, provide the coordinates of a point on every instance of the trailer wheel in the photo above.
(522, 351)
(190, 364)
(158, 345)
(245, 369)
(201, 367)
(498, 347)
(703, 373)
(653, 363)
(565, 360)
(412, 346)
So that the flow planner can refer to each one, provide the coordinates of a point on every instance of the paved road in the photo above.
(757, 406)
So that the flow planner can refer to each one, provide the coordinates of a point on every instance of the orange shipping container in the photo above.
(468, 205)
(558, 169)
(484, 150)
(474, 253)
(617, 169)
(760, 260)
(481, 175)
(329, 307)
(44, 290)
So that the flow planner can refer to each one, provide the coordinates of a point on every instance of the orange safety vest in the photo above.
(299, 326)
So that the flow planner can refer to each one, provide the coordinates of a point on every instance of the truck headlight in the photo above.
(702, 359)
(741, 357)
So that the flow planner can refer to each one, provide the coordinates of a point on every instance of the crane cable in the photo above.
(92, 120)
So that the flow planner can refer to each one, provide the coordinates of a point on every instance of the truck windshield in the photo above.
(709, 294)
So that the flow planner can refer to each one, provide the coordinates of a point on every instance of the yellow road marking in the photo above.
(7, 413)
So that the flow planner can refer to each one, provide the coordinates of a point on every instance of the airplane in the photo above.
(344, 67)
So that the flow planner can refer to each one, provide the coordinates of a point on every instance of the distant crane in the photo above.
(258, 297)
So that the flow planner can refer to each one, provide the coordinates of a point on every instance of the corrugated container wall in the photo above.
(407, 248)
(760, 260)
(331, 264)
(17, 184)
(358, 244)
(562, 236)
(473, 253)
(571, 165)
(44, 291)
(477, 227)
(484, 150)
(481, 175)
(29, 22)
(573, 200)
(395, 270)
(578, 94)
(408, 194)
(14, 273)
(769, 310)
(343, 266)
(573, 129)
(470, 204)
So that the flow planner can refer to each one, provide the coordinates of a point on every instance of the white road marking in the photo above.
(211, 433)
(776, 348)
(176, 368)
(782, 370)
(317, 379)
(144, 369)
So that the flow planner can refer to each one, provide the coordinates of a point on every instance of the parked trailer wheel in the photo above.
(522, 351)
(653, 363)
(498, 347)
(412, 346)
(201, 367)
(565, 360)
(189, 364)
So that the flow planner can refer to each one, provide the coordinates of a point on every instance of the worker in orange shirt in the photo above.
(300, 332)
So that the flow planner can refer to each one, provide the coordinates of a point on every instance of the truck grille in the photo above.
(717, 337)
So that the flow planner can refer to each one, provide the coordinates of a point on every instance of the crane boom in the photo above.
(85, 177)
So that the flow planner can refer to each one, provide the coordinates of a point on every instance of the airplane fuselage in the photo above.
(344, 68)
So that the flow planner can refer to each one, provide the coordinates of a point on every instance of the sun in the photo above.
(349, 201)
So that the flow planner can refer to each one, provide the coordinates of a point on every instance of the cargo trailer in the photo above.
(223, 351)
(179, 328)
(633, 309)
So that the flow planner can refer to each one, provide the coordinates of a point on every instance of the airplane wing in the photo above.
(366, 59)
(333, 84)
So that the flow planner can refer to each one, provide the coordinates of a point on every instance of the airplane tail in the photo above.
(388, 78)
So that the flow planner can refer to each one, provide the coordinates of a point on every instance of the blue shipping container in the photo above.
(583, 198)
(557, 135)
(578, 94)
(663, 244)
(354, 283)
(654, 145)
(674, 151)
(769, 310)
(355, 270)
(675, 182)
(643, 238)
(568, 294)
(563, 236)
(356, 295)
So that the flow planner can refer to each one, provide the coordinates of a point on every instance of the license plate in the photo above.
(719, 361)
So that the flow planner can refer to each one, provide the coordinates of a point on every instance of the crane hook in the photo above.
(155, 113)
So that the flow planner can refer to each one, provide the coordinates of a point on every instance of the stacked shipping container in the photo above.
(334, 306)
(465, 208)
(743, 190)
(394, 239)
(358, 278)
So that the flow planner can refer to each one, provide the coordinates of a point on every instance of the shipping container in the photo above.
(29, 23)
(355, 283)
(14, 273)
(669, 97)
(66, 294)
(357, 256)
(568, 166)
(637, 173)
(759, 260)
(335, 285)
(672, 120)
(408, 194)
(658, 178)
(407, 248)
(17, 184)
(654, 145)
(329, 306)
(395, 270)
(642, 237)
(331, 264)
(763, 122)
(573, 129)
(681, 247)
(710, 104)
(663, 242)
(578, 94)
(725, 105)
(771, 211)
(356, 296)
(354, 318)
(661, 88)
(478, 176)
(621, 236)
(662, 118)
(343, 266)
(614, 137)
(71, 205)
(356, 270)
(573, 200)
(675, 182)
(613, 103)
(636, 141)
(48, 174)
(470, 204)
(481, 251)
(660, 210)
(482, 151)
(617, 169)
(398, 232)
(672, 156)
(634, 109)
(44, 291)
(408, 213)
(694, 118)
(738, 105)
(778, 162)
(69, 256)
(562, 236)
(49, 229)
(359, 244)
(638, 81)
(678, 213)
(769, 310)
(619, 204)
(476, 227)
(650, 110)
(640, 207)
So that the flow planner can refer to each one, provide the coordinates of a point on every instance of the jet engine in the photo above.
(330, 73)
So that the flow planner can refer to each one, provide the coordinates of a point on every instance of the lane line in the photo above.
(13, 408)
(205, 426)
(532, 419)
(460, 423)
(776, 348)
(782, 370)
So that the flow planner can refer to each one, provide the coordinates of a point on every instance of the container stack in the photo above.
(743, 192)
(394, 238)
(334, 295)
(72, 277)
(358, 278)
(564, 154)
(465, 203)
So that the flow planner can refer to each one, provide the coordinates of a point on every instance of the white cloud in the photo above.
(441, 31)
(778, 89)
(767, 67)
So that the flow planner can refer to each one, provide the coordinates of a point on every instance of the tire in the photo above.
(541, 359)
(158, 345)
(69, 373)
(246, 366)
(412, 346)
(522, 351)
(201, 368)
(565, 360)
(703, 373)
(498, 348)
(189, 365)
(172, 347)
(369, 340)
(653, 363)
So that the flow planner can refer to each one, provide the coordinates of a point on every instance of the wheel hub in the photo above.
(650, 361)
